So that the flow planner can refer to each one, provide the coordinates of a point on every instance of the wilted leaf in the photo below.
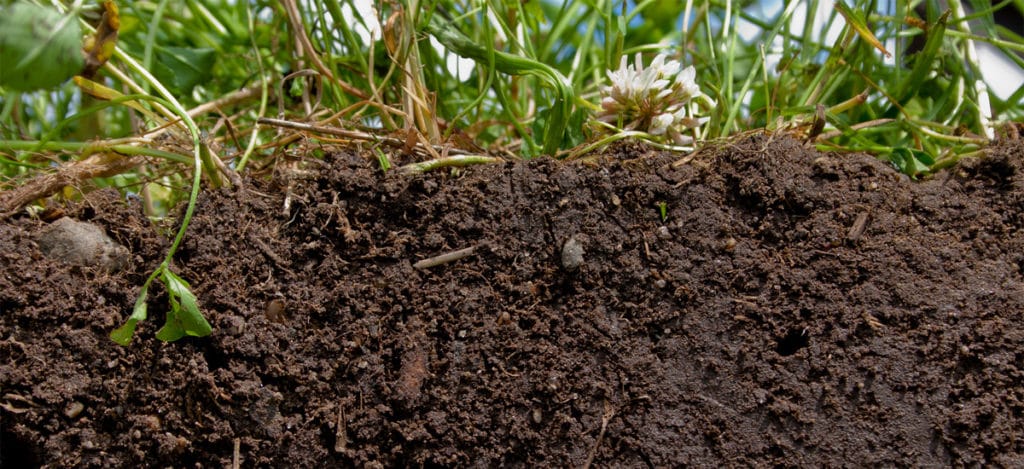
(99, 47)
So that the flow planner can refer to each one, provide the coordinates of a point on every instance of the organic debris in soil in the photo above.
(764, 305)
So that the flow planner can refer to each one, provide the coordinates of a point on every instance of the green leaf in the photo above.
(528, 151)
(184, 317)
(181, 68)
(534, 9)
(172, 329)
(382, 160)
(574, 131)
(39, 47)
(860, 26)
(923, 61)
(910, 161)
(296, 87)
(123, 335)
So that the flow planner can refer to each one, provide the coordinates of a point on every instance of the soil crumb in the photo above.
(763, 305)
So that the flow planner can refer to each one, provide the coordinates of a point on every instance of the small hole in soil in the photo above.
(25, 456)
(795, 340)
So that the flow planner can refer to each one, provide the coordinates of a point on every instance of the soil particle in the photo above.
(764, 305)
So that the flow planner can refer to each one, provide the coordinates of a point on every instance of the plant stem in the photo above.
(91, 147)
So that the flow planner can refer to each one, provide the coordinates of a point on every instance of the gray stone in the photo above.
(572, 254)
(82, 243)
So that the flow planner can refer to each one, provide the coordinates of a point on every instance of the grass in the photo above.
(203, 90)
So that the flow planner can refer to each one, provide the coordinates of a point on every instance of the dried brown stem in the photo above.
(445, 258)
(609, 414)
(352, 134)
(99, 165)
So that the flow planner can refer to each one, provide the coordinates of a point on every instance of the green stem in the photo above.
(448, 162)
(264, 94)
(457, 42)
(90, 147)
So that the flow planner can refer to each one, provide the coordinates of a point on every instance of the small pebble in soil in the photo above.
(663, 232)
(276, 311)
(152, 422)
(82, 243)
(74, 410)
(572, 254)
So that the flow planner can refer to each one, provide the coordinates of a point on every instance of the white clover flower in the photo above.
(655, 99)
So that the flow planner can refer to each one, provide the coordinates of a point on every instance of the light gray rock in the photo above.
(572, 254)
(82, 243)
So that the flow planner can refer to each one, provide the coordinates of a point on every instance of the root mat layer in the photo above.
(763, 305)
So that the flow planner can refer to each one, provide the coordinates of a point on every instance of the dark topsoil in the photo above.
(794, 308)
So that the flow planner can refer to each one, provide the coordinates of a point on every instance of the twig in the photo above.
(858, 227)
(236, 455)
(340, 437)
(281, 263)
(230, 99)
(444, 258)
(609, 414)
(98, 165)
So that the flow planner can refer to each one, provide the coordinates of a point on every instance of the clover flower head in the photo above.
(656, 99)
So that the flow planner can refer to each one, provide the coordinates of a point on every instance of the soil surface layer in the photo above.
(762, 305)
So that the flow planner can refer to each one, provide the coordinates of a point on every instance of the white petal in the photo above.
(658, 62)
(687, 76)
(658, 85)
(671, 67)
(661, 123)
